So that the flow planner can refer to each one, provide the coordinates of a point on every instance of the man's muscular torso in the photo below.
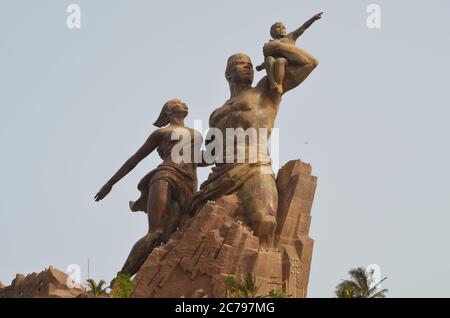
(254, 108)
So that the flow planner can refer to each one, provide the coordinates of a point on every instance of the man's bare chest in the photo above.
(244, 113)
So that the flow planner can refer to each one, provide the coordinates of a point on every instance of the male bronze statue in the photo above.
(253, 107)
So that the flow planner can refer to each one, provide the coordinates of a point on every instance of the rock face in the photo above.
(296, 189)
(216, 243)
(51, 283)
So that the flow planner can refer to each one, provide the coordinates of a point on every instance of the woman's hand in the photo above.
(103, 192)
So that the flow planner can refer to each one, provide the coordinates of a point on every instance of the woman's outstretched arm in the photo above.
(146, 149)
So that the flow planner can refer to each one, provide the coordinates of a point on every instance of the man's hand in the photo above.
(103, 192)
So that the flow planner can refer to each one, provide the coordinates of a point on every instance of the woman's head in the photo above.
(173, 109)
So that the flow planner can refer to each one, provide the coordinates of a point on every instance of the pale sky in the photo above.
(372, 120)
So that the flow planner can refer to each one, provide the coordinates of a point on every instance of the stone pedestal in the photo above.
(216, 243)
(50, 283)
(296, 188)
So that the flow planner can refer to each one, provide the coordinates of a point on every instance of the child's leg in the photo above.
(280, 67)
(270, 69)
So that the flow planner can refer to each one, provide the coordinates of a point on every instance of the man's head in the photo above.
(239, 69)
(278, 30)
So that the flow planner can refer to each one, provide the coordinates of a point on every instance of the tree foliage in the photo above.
(360, 285)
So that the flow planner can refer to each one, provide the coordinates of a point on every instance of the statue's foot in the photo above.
(274, 86)
(277, 87)
(280, 89)
(131, 205)
(154, 239)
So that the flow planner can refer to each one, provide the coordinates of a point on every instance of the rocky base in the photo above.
(208, 247)
(50, 283)
(216, 243)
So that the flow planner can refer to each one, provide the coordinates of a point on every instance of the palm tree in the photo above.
(96, 290)
(241, 288)
(359, 286)
(122, 286)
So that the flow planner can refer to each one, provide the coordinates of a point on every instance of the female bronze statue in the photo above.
(166, 191)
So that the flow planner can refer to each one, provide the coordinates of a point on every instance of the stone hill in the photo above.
(216, 243)
(50, 283)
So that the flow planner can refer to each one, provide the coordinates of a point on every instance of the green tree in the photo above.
(277, 293)
(96, 290)
(242, 287)
(359, 285)
(246, 288)
(122, 286)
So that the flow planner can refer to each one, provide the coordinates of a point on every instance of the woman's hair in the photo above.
(163, 118)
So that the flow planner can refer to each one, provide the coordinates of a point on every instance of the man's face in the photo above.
(242, 70)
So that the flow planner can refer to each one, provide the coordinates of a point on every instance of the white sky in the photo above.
(372, 120)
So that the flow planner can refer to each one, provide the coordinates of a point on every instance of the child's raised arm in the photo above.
(297, 33)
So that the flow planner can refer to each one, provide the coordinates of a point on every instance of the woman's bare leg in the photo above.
(158, 202)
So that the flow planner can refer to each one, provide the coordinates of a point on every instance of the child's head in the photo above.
(171, 109)
(278, 30)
